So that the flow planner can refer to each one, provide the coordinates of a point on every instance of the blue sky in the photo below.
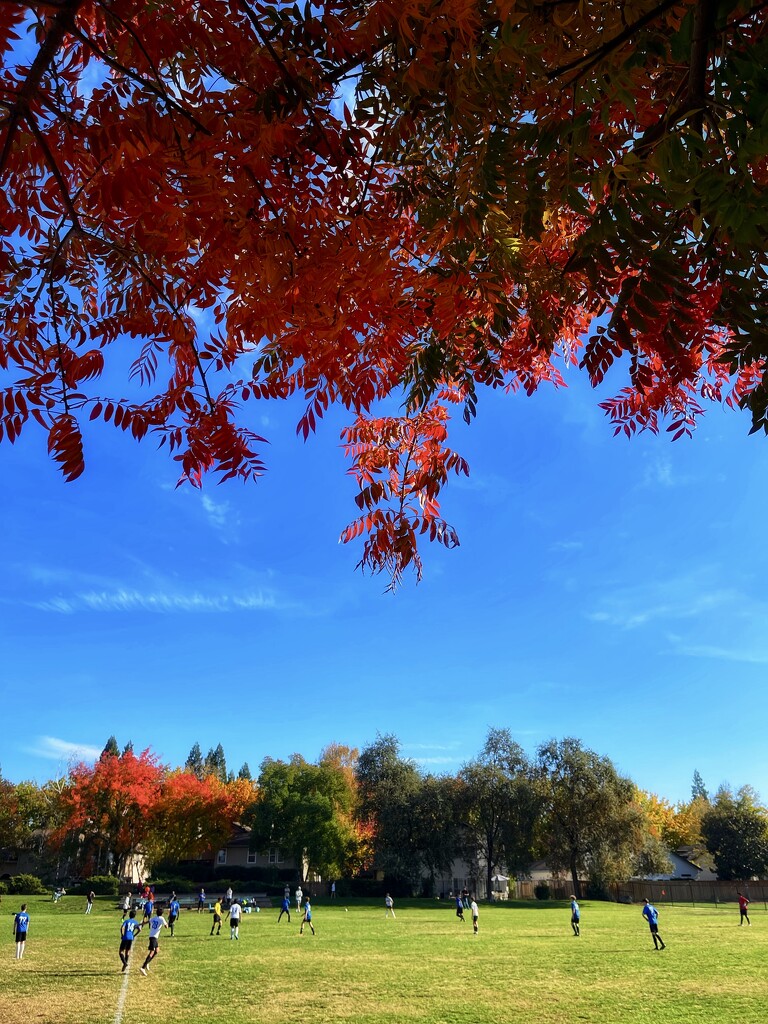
(606, 589)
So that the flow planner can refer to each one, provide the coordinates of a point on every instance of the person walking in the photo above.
(575, 917)
(389, 903)
(743, 904)
(475, 913)
(651, 914)
(307, 919)
(89, 901)
(216, 917)
(129, 929)
(234, 914)
(156, 925)
(285, 908)
(20, 929)
(459, 907)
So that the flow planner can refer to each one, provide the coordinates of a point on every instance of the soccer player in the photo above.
(575, 917)
(20, 929)
(307, 919)
(234, 913)
(475, 913)
(201, 901)
(743, 904)
(285, 908)
(89, 901)
(651, 914)
(216, 917)
(174, 908)
(126, 905)
(459, 907)
(299, 897)
(148, 907)
(389, 903)
(156, 925)
(129, 929)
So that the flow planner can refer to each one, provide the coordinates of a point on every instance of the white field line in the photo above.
(121, 999)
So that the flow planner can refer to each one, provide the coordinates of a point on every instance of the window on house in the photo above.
(221, 857)
(275, 855)
(251, 857)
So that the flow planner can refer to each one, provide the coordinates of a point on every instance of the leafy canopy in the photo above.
(512, 186)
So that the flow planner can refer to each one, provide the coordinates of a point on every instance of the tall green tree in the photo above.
(194, 763)
(698, 789)
(437, 835)
(111, 748)
(216, 763)
(500, 802)
(245, 772)
(735, 829)
(388, 789)
(593, 822)
(305, 810)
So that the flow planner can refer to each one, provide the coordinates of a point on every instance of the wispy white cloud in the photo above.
(665, 600)
(438, 760)
(131, 600)
(742, 655)
(54, 749)
(567, 545)
(218, 512)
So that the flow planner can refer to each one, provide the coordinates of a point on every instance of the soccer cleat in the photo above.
(144, 971)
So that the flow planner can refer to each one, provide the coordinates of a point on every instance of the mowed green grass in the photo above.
(424, 967)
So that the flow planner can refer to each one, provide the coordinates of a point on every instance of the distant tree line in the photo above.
(352, 812)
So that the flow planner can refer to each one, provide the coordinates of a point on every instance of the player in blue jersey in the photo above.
(20, 929)
(129, 929)
(156, 925)
(651, 914)
(174, 908)
(575, 917)
(148, 907)
(285, 908)
(307, 919)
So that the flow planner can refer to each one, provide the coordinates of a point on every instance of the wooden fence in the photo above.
(657, 892)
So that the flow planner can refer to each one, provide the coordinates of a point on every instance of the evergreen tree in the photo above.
(194, 763)
(698, 789)
(128, 748)
(111, 747)
(215, 763)
(245, 772)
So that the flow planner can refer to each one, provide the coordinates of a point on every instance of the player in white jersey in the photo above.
(156, 924)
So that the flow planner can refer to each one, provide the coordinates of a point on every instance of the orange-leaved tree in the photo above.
(511, 186)
(194, 816)
(109, 809)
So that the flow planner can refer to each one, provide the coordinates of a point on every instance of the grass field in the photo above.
(425, 967)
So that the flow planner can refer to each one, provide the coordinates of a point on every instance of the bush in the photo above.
(27, 885)
(3, 888)
(541, 891)
(102, 885)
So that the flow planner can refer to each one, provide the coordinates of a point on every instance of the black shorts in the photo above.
(126, 945)
(154, 944)
(21, 936)
(173, 919)
(217, 918)
(654, 928)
